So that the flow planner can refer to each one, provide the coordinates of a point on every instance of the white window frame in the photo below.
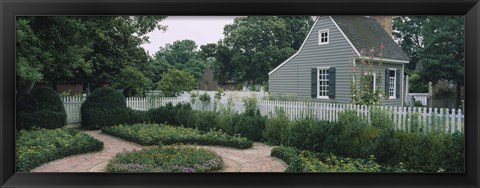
(374, 80)
(320, 36)
(318, 82)
(394, 84)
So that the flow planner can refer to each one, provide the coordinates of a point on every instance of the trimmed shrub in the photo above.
(42, 109)
(153, 134)
(107, 107)
(250, 126)
(36, 147)
(176, 158)
(300, 132)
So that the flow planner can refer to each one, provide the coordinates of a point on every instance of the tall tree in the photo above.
(436, 46)
(181, 55)
(254, 45)
(77, 49)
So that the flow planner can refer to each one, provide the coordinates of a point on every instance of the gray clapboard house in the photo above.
(321, 67)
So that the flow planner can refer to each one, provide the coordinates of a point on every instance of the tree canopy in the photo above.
(436, 46)
(254, 45)
(79, 49)
(181, 55)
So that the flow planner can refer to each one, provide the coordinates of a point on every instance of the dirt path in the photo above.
(255, 159)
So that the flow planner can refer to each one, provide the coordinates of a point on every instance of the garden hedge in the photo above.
(43, 108)
(36, 147)
(352, 137)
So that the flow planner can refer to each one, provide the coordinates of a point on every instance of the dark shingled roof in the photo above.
(365, 33)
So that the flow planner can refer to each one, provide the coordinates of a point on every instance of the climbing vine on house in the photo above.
(367, 93)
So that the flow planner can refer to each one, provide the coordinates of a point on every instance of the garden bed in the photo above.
(173, 158)
(36, 147)
(154, 134)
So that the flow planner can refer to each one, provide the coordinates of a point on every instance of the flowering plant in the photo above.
(366, 92)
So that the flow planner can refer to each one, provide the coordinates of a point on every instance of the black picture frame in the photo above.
(11, 8)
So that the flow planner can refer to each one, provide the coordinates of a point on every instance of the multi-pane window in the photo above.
(392, 86)
(322, 86)
(323, 37)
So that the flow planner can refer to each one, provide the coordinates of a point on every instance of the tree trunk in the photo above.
(458, 98)
(25, 89)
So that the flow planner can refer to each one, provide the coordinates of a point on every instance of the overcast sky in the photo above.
(201, 29)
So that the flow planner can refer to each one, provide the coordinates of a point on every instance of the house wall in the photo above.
(294, 77)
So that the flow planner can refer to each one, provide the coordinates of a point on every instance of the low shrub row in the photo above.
(353, 137)
(153, 134)
(249, 124)
(36, 147)
(308, 161)
(174, 158)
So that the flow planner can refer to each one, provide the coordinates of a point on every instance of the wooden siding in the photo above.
(293, 78)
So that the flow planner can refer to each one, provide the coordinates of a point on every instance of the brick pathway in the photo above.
(255, 159)
(86, 162)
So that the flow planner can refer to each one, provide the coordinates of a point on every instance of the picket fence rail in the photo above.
(405, 118)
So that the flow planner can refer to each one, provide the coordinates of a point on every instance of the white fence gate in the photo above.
(447, 120)
(422, 97)
(72, 106)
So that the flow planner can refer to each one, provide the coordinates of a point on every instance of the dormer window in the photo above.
(323, 37)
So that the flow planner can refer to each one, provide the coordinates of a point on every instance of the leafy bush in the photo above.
(169, 114)
(300, 132)
(153, 134)
(107, 107)
(42, 109)
(36, 147)
(203, 120)
(250, 126)
(176, 158)
(430, 152)
(307, 161)
(276, 129)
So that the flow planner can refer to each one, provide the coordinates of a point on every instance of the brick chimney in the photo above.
(385, 22)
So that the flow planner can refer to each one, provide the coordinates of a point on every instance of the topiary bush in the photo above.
(107, 107)
(42, 109)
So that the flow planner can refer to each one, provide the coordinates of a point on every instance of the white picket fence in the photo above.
(72, 106)
(448, 120)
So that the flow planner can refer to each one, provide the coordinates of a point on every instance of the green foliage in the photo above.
(175, 81)
(203, 120)
(307, 161)
(132, 81)
(365, 93)
(276, 129)
(254, 45)
(176, 158)
(169, 114)
(429, 152)
(300, 131)
(205, 98)
(42, 109)
(182, 55)
(219, 93)
(436, 47)
(79, 48)
(153, 134)
(381, 118)
(107, 107)
(36, 147)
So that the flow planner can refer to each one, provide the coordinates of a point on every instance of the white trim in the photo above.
(394, 84)
(318, 86)
(320, 37)
(374, 80)
(401, 84)
(298, 51)
(389, 60)
(345, 36)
